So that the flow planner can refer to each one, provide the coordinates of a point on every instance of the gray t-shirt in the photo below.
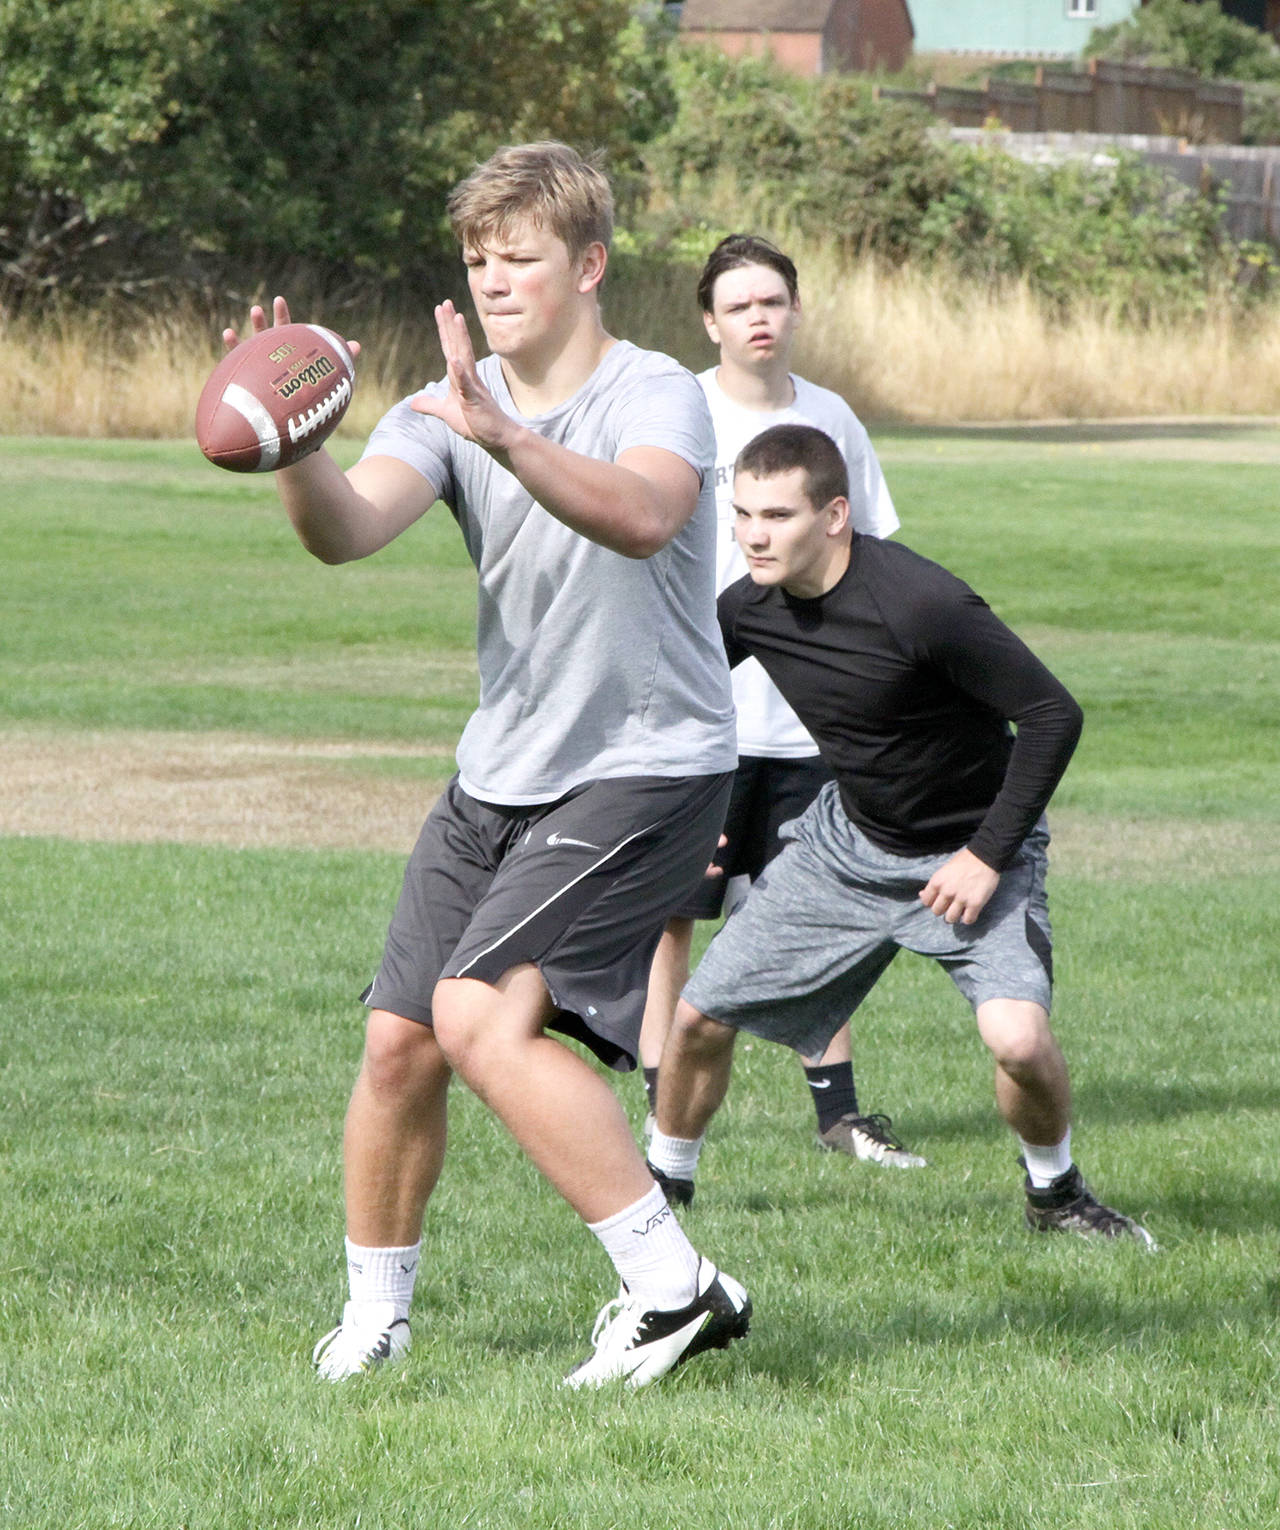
(592, 664)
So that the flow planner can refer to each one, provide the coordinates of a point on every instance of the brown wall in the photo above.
(860, 34)
(800, 52)
(873, 34)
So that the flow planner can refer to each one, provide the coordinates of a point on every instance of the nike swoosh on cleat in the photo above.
(683, 1337)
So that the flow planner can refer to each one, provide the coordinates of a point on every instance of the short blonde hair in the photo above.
(548, 182)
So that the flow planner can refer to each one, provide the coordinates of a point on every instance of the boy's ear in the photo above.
(837, 513)
(592, 264)
(712, 328)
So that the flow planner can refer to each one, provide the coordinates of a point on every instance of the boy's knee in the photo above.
(401, 1054)
(454, 1019)
(1018, 1035)
(696, 1033)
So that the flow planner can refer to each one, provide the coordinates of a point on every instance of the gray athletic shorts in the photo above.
(828, 915)
(581, 887)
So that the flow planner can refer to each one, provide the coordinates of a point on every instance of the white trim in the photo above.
(559, 893)
(259, 421)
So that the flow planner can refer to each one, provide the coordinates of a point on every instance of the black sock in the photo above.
(833, 1092)
(651, 1087)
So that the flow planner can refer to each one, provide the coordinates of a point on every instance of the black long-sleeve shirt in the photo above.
(908, 682)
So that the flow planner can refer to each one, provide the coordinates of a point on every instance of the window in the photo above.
(1082, 10)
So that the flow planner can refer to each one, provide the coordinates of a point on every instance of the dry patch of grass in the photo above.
(226, 789)
(910, 345)
(1160, 849)
(901, 344)
(92, 375)
(216, 789)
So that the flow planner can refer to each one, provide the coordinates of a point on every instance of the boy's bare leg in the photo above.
(667, 977)
(393, 1147)
(560, 1111)
(693, 1078)
(1033, 1088)
(394, 1137)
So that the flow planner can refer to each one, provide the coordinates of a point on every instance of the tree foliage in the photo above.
(291, 128)
(1170, 34)
(140, 139)
(818, 153)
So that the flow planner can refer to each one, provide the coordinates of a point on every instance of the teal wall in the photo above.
(1008, 26)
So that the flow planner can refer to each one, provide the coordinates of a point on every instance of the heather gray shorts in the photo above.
(828, 915)
(580, 887)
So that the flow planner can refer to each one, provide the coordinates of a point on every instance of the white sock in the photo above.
(653, 1258)
(383, 1274)
(677, 1157)
(1046, 1163)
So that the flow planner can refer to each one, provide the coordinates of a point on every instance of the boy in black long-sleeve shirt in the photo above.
(931, 838)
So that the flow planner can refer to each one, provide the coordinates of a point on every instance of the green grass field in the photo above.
(180, 1033)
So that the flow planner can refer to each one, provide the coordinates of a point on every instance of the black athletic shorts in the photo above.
(766, 794)
(580, 887)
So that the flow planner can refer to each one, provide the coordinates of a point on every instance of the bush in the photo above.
(1170, 34)
(751, 144)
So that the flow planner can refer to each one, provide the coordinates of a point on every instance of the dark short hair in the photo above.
(783, 448)
(744, 250)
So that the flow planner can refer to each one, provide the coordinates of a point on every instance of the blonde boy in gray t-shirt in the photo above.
(592, 777)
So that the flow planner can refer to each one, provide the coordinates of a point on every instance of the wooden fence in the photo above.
(1105, 98)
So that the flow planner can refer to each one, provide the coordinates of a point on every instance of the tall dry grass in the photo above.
(913, 346)
(901, 345)
(98, 375)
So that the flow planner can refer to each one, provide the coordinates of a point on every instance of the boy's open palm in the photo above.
(468, 409)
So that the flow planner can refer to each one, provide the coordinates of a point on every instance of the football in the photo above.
(275, 398)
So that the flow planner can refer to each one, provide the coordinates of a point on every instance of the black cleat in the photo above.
(679, 1192)
(637, 1347)
(1068, 1205)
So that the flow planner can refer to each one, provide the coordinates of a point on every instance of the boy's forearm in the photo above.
(341, 516)
(612, 503)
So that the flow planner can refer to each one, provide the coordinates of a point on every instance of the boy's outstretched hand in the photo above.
(279, 316)
(468, 409)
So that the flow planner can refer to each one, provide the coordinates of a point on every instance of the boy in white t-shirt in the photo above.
(749, 295)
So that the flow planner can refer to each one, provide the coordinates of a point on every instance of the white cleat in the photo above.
(638, 1346)
(370, 1335)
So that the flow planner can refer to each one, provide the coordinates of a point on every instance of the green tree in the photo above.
(264, 130)
(1171, 34)
(821, 154)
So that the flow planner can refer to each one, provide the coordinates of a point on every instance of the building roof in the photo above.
(755, 15)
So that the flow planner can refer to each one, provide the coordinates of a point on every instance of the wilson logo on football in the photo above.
(319, 369)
